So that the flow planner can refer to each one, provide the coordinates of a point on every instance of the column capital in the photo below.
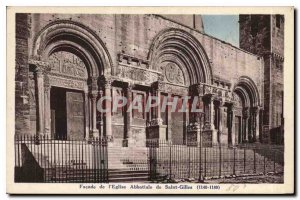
(94, 94)
(209, 97)
(107, 82)
(197, 89)
(245, 112)
(94, 83)
(158, 85)
(130, 86)
(40, 67)
(255, 109)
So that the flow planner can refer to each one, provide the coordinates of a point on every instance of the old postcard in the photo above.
(126, 100)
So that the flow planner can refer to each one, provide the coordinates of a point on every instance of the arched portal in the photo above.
(183, 51)
(247, 108)
(68, 59)
(182, 61)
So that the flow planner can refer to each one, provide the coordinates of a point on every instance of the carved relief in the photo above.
(175, 89)
(137, 74)
(32, 96)
(68, 64)
(174, 74)
(67, 83)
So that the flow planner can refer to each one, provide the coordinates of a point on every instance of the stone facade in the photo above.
(74, 60)
(264, 35)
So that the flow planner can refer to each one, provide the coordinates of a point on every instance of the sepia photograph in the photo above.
(190, 101)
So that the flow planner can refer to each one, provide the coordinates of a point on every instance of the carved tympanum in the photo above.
(66, 63)
(174, 74)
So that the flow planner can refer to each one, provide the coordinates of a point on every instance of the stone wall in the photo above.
(131, 35)
(22, 115)
(264, 35)
(134, 34)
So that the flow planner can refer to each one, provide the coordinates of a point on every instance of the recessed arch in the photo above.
(182, 46)
(247, 91)
(80, 39)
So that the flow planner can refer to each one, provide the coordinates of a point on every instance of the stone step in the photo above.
(132, 174)
(128, 179)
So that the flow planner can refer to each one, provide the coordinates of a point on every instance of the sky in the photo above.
(224, 27)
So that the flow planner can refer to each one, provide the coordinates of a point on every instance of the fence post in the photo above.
(220, 161)
(189, 160)
(205, 162)
(200, 164)
(170, 160)
(274, 160)
(254, 162)
(264, 165)
(233, 160)
(244, 160)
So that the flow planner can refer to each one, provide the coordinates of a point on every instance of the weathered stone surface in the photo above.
(109, 52)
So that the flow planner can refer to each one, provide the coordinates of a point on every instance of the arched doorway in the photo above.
(68, 61)
(183, 64)
(68, 102)
(246, 111)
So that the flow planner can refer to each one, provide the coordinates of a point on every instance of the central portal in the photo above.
(67, 114)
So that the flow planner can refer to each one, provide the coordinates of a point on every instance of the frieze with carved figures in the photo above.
(67, 64)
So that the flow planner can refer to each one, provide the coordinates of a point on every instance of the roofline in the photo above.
(203, 33)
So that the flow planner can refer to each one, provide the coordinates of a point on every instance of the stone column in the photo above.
(194, 127)
(223, 131)
(93, 97)
(209, 128)
(245, 124)
(40, 99)
(128, 117)
(95, 131)
(47, 109)
(231, 125)
(156, 129)
(255, 124)
(86, 114)
(107, 103)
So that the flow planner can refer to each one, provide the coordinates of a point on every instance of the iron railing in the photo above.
(170, 162)
(60, 160)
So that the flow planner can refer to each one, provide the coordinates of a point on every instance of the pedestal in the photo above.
(157, 132)
(209, 136)
(193, 134)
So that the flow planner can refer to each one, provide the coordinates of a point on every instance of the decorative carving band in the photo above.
(67, 83)
(38, 63)
(155, 122)
(137, 74)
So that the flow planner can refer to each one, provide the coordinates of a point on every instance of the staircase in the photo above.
(128, 164)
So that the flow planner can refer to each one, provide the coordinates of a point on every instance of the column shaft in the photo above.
(47, 112)
(86, 114)
(40, 88)
(128, 116)
(108, 117)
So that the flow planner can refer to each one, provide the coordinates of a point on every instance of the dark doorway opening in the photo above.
(67, 114)
(58, 113)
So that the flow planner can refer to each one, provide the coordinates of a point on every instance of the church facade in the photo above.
(66, 63)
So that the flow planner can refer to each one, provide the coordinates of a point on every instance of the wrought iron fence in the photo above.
(169, 161)
(60, 160)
